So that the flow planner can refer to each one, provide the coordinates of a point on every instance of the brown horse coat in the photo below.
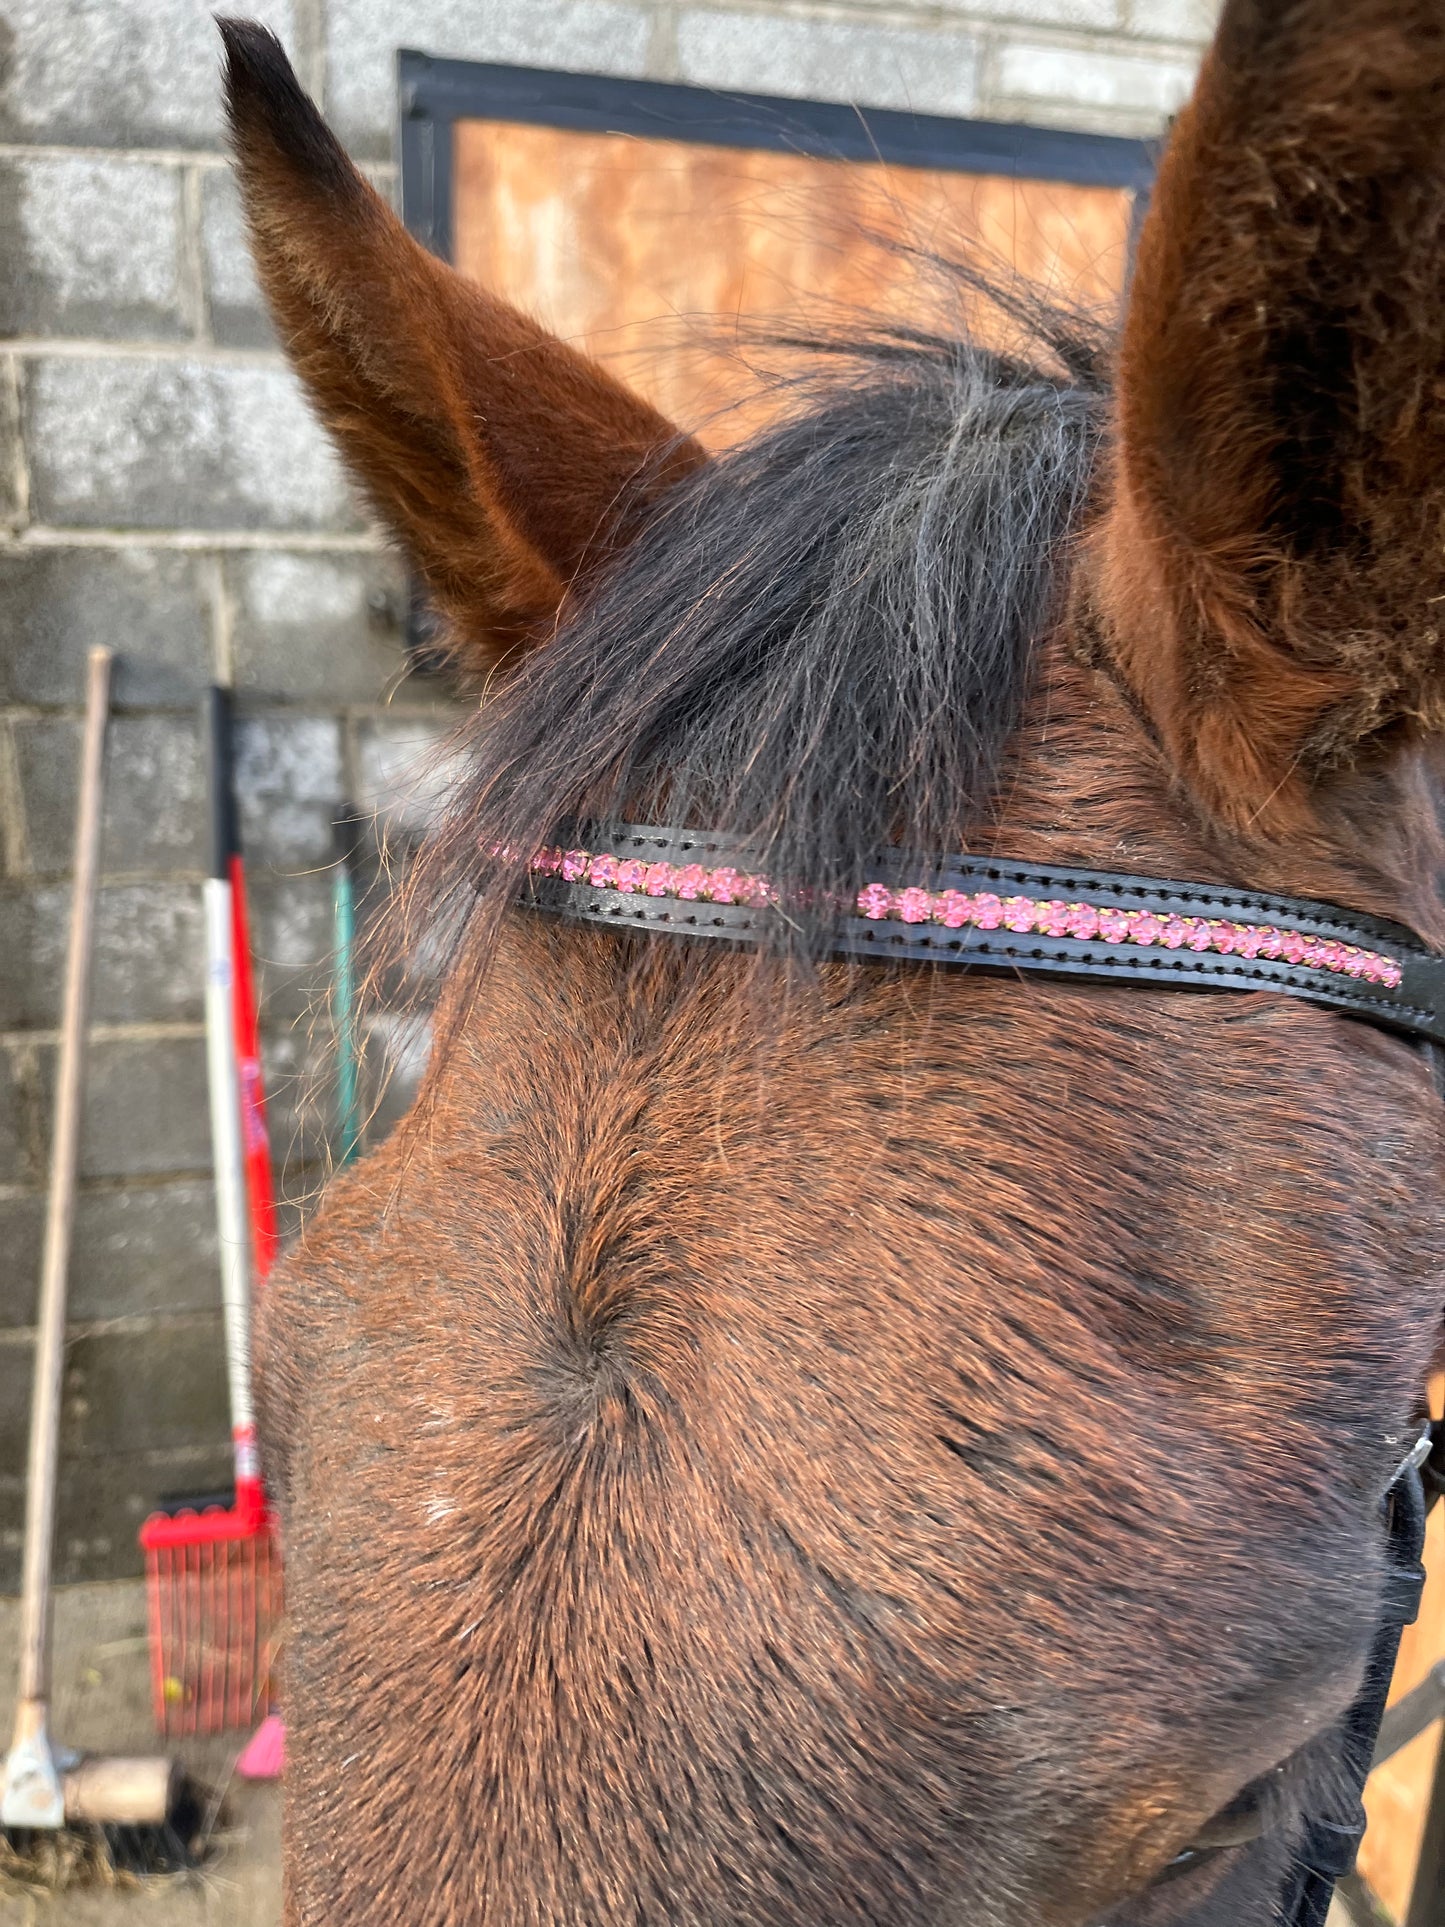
(904, 1447)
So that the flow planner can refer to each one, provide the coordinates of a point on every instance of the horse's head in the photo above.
(778, 1440)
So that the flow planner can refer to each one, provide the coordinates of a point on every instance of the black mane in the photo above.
(823, 639)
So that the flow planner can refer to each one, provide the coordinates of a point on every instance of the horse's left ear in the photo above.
(509, 464)
(1272, 568)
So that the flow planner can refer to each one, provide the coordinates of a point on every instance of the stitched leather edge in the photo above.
(1417, 1008)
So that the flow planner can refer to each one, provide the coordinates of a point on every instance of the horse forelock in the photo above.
(823, 640)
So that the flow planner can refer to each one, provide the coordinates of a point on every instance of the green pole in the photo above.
(343, 906)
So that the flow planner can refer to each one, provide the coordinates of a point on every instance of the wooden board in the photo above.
(665, 257)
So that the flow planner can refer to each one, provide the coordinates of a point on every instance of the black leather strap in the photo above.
(1416, 1007)
(1333, 1833)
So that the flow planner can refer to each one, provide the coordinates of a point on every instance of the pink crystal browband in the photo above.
(998, 915)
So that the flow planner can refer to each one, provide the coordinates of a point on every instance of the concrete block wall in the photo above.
(163, 489)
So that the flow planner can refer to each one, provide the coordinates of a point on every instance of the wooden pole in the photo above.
(44, 1457)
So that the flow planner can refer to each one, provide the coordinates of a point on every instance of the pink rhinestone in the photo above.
(952, 908)
(1145, 928)
(1221, 937)
(915, 906)
(724, 886)
(757, 891)
(1332, 956)
(1391, 974)
(1113, 925)
(631, 875)
(1174, 932)
(1246, 939)
(987, 911)
(1196, 933)
(1083, 921)
(661, 878)
(1019, 913)
(574, 865)
(689, 882)
(1353, 961)
(1372, 967)
(1270, 941)
(875, 901)
(602, 871)
(1291, 946)
(1051, 919)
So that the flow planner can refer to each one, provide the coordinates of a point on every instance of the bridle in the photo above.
(997, 915)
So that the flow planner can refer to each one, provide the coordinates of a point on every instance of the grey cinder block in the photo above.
(117, 73)
(1103, 15)
(155, 794)
(177, 443)
(13, 506)
(292, 941)
(1118, 89)
(233, 296)
(300, 1068)
(145, 1108)
(21, 1105)
(150, 605)
(103, 1500)
(149, 960)
(92, 245)
(305, 628)
(16, 1359)
(139, 1251)
(289, 785)
(589, 36)
(147, 1389)
(934, 73)
(408, 769)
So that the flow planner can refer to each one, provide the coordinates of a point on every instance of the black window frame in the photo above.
(433, 94)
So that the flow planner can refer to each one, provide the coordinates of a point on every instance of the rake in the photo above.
(213, 1569)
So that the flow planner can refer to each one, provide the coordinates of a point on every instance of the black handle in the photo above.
(225, 830)
(346, 831)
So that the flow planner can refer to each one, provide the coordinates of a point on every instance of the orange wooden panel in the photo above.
(651, 253)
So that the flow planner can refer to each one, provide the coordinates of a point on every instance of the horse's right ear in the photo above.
(1273, 570)
(509, 464)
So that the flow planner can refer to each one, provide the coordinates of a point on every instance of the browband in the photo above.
(997, 915)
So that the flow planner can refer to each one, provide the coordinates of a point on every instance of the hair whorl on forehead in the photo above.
(823, 639)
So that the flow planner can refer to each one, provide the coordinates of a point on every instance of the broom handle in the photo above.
(44, 1456)
(225, 1095)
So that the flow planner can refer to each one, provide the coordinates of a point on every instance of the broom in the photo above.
(213, 1571)
(47, 1788)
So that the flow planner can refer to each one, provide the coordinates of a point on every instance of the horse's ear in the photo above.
(508, 463)
(1272, 576)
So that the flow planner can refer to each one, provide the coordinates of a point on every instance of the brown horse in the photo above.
(776, 1440)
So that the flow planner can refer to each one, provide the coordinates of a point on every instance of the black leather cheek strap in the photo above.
(1416, 1007)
